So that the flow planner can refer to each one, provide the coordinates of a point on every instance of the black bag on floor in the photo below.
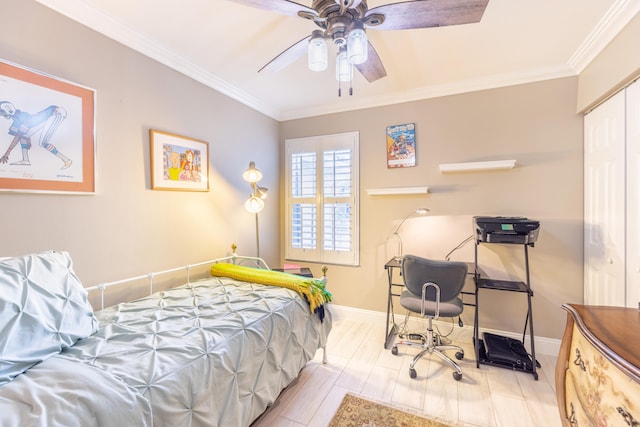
(505, 350)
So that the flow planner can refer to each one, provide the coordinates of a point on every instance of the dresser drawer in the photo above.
(596, 390)
(576, 414)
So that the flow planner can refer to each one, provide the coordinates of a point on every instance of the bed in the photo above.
(214, 351)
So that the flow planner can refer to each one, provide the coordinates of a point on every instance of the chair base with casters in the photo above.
(429, 345)
(432, 290)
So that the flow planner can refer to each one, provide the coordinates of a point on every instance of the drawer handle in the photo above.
(579, 361)
(572, 416)
(627, 417)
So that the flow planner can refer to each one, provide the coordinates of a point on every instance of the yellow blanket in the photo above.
(312, 290)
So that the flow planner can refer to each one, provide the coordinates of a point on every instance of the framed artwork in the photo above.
(401, 146)
(47, 133)
(178, 163)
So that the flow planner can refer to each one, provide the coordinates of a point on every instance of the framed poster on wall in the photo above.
(401, 146)
(47, 133)
(178, 162)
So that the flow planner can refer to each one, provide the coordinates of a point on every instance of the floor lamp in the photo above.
(395, 233)
(255, 203)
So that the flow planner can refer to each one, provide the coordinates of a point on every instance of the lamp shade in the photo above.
(254, 204)
(317, 53)
(252, 174)
(261, 192)
(344, 70)
(357, 46)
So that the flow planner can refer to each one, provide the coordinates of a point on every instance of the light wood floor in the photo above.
(358, 363)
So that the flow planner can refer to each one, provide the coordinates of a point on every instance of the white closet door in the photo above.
(633, 195)
(604, 213)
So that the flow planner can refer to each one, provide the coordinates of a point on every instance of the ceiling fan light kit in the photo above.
(344, 69)
(345, 23)
(357, 46)
(317, 52)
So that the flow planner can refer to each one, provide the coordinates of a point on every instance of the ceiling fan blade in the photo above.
(373, 69)
(429, 13)
(284, 7)
(287, 57)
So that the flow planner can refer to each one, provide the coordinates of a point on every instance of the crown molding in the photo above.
(436, 91)
(93, 18)
(609, 26)
(616, 18)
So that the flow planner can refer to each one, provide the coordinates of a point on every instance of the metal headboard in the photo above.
(234, 258)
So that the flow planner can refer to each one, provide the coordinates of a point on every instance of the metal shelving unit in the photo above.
(509, 286)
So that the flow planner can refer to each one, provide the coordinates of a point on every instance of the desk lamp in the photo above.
(394, 233)
(255, 203)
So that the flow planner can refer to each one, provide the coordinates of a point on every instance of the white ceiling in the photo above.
(223, 44)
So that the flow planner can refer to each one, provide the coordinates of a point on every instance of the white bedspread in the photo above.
(215, 352)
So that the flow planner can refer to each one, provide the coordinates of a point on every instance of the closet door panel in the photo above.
(604, 213)
(633, 195)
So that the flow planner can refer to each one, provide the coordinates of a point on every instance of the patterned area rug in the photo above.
(355, 411)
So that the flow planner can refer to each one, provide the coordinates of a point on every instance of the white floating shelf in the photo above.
(477, 166)
(397, 191)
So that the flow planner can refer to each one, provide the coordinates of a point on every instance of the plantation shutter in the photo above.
(321, 205)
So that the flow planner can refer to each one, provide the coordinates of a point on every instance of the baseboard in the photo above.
(544, 345)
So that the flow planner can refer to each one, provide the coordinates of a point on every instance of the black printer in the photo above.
(502, 229)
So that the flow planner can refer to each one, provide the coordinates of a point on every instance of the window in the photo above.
(321, 181)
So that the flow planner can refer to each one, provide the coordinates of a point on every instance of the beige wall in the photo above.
(535, 124)
(616, 66)
(126, 229)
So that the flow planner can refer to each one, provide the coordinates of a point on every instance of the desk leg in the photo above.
(389, 335)
(476, 329)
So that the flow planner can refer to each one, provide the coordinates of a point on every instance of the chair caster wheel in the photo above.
(394, 350)
(412, 373)
(457, 376)
(460, 355)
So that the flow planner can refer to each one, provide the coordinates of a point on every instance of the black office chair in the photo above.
(432, 290)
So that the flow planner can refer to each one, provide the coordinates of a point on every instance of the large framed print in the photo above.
(47, 133)
(401, 146)
(178, 162)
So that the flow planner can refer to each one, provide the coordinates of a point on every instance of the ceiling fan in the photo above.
(345, 22)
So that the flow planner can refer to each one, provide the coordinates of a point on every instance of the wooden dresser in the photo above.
(598, 368)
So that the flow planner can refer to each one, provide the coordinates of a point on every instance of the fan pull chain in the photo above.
(350, 88)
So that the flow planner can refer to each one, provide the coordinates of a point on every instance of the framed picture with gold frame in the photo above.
(47, 133)
(178, 162)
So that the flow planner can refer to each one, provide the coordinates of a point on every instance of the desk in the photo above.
(394, 291)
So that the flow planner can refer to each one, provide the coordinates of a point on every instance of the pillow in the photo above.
(43, 309)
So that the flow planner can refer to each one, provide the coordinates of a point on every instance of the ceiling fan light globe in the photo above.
(344, 69)
(317, 54)
(357, 46)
